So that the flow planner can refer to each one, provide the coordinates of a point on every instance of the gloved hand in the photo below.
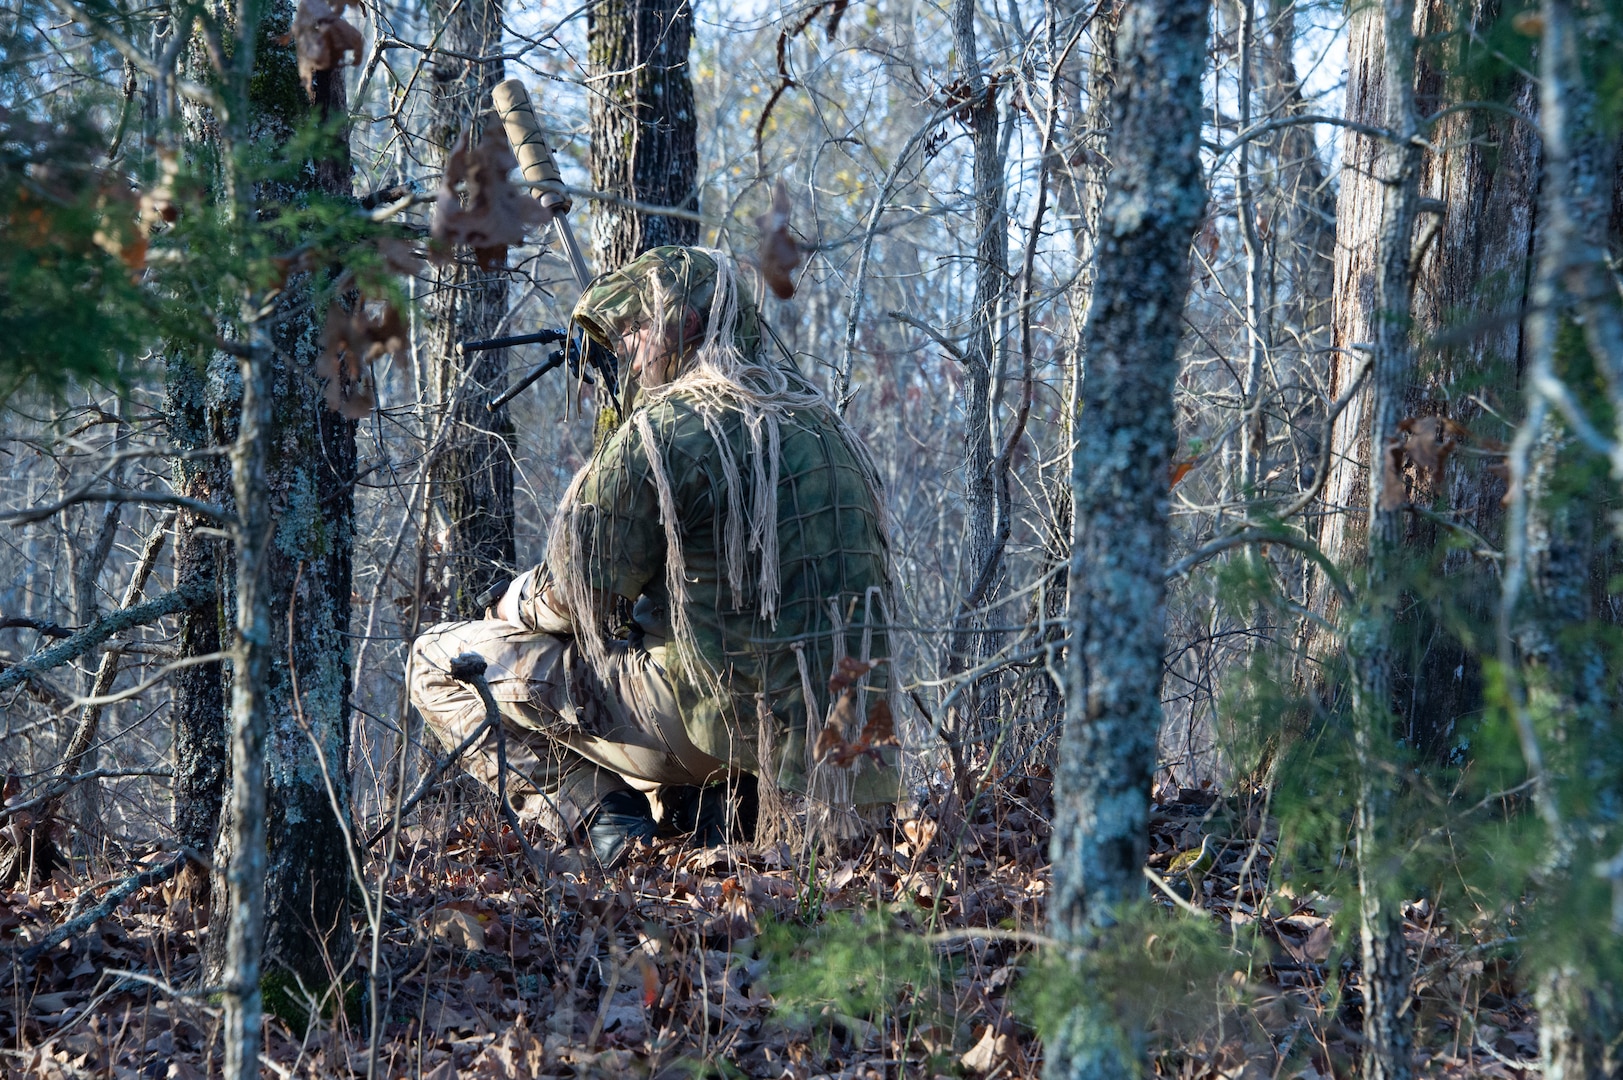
(622, 819)
(719, 814)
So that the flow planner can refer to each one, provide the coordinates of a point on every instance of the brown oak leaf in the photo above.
(323, 39)
(778, 254)
(1431, 440)
(350, 341)
(495, 213)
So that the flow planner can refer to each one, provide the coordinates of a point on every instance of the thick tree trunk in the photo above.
(473, 473)
(1341, 533)
(1482, 180)
(644, 125)
(1118, 619)
(1388, 1022)
(295, 476)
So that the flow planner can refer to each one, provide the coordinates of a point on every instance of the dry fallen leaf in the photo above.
(988, 1051)
(457, 928)
(496, 212)
(832, 747)
(323, 39)
(1431, 440)
(778, 254)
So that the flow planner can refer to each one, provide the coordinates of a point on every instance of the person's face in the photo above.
(653, 357)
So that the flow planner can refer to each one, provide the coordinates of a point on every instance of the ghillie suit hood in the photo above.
(724, 379)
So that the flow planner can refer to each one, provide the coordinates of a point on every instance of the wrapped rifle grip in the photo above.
(517, 115)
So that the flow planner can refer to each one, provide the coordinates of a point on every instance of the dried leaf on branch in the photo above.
(1426, 442)
(496, 212)
(833, 747)
(351, 340)
(323, 39)
(1431, 440)
(778, 255)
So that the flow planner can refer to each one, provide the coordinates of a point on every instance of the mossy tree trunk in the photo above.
(295, 477)
(643, 124)
(1154, 200)
(198, 420)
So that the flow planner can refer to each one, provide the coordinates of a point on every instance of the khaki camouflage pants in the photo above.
(571, 737)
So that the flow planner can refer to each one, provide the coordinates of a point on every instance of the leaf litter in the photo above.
(666, 969)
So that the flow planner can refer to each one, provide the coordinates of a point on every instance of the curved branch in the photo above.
(1263, 536)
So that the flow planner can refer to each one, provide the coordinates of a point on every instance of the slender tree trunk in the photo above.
(643, 122)
(1562, 688)
(199, 716)
(1154, 203)
(1385, 974)
(294, 479)
(473, 474)
(1079, 196)
(986, 517)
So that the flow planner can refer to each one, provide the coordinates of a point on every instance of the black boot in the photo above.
(623, 818)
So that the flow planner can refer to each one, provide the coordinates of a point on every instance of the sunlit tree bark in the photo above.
(644, 127)
(473, 470)
(294, 476)
(1125, 439)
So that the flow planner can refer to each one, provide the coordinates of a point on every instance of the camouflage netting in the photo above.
(724, 378)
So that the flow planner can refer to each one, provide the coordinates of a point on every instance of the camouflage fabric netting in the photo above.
(748, 406)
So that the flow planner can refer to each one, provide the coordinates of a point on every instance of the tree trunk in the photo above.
(1561, 685)
(643, 123)
(986, 495)
(1124, 444)
(1385, 974)
(1480, 177)
(1079, 196)
(1358, 224)
(295, 477)
(473, 474)
(199, 717)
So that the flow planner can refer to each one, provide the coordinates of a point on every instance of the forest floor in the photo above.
(711, 963)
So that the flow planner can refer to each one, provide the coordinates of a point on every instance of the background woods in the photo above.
(1246, 378)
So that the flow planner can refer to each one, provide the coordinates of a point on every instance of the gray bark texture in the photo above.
(1388, 1022)
(473, 472)
(986, 511)
(1125, 440)
(199, 713)
(643, 124)
(1478, 178)
(294, 475)
(1565, 694)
